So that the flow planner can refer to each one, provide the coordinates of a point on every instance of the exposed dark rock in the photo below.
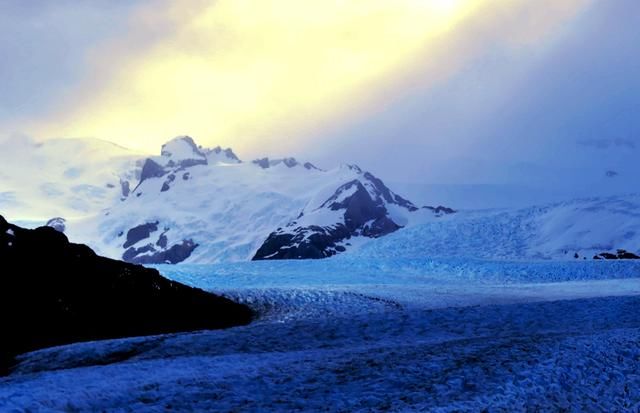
(158, 252)
(186, 163)
(139, 233)
(353, 167)
(150, 169)
(124, 188)
(290, 162)
(380, 227)
(364, 212)
(162, 241)
(359, 208)
(619, 255)
(266, 163)
(262, 163)
(388, 195)
(440, 210)
(626, 255)
(228, 153)
(166, 185)
(186, 176)
(54, 292)
(149, 255)
(130, 254)
(57, 223)
(310, 166)
(304, 243)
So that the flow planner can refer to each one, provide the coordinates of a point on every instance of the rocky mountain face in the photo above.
(176, 157)
(362, 207)
(55, 292)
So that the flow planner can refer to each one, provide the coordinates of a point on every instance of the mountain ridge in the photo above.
(204, 204)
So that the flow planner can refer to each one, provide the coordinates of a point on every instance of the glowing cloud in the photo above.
(253, 73)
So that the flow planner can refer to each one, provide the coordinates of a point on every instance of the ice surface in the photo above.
(555, 231)
(370, 335)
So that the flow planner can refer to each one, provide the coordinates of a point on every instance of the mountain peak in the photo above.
(351, 167)
(227, 155)
(290, 162)
(183, 151)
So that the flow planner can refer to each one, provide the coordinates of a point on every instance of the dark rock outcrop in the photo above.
(386, 193)
(361, 204)
(149, 254)
(55, 292)
(125, 188)
(311, 242)
(228, 153)
(619, 255)
(262, 162)
(167, 184)
(360, 209)
(266, 163)
(139, 233)
(310, 166)
(290, 162)
(158, 252)
(150, 169)
(440, 210)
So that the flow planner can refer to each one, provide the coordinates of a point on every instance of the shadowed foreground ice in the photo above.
(380, 339)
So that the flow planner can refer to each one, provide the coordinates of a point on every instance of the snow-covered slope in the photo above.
(62, 177)
(362, 207)
(204, 205)
(578, 229)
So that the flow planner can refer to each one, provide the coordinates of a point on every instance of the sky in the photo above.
(418, 91)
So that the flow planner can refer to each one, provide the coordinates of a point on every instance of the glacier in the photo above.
(356, 334)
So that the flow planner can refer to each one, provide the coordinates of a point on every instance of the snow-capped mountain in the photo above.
(197, 204)
(362, 207)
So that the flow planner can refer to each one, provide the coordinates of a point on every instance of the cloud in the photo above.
(43, 46)
(244, 72)
(264, 76)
